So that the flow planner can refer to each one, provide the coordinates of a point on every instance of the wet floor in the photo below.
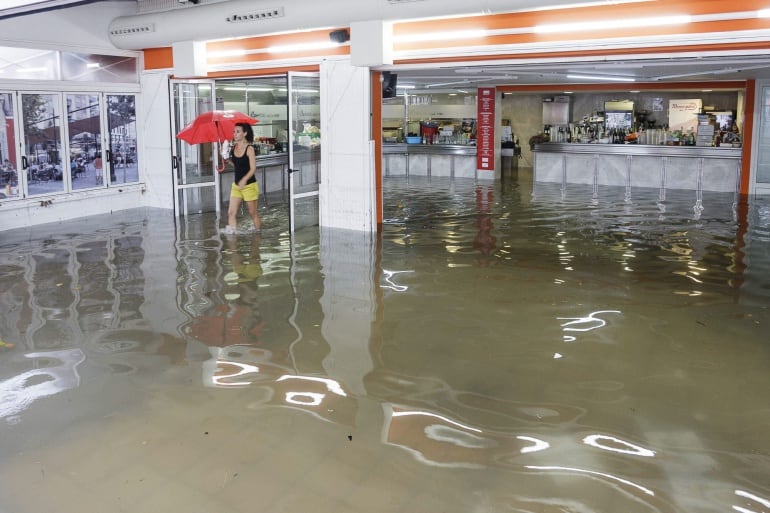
(498, 348)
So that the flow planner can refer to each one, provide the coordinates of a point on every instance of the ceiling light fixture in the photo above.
(655, 21)
(441, 36)
(763, 13)
(320, 45)
(602, 77)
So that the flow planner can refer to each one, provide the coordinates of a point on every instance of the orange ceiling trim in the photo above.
(643, 52)
(606, 35)
(254, 72)
(626, 86)
(581, 14)
(262, 42)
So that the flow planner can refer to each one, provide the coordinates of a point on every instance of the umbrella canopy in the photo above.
(213, 126)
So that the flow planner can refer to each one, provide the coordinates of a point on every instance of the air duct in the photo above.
(243, 18)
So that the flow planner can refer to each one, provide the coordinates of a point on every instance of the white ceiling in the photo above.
(676, 68)
(623, 72)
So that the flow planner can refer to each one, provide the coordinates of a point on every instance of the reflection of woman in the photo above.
(244, 188)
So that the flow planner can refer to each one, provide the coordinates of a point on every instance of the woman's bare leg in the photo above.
(252, 207)
(232, 212)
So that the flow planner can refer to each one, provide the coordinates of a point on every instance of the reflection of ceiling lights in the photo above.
(31, 70)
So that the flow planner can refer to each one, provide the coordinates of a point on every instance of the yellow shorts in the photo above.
(249, 193)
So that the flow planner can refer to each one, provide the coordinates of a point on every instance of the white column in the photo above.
(189, 58)
(347, 189)
(155, 157)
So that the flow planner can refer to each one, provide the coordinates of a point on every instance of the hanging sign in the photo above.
(485, 132)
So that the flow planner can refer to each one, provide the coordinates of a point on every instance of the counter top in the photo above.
(723, 152)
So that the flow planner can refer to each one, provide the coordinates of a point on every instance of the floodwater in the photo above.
(497, 348)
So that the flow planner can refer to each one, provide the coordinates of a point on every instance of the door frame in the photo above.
(179, 150)
(293, 195)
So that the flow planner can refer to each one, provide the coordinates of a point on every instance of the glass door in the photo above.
(41, 121)
(196, 182)
(304, 149)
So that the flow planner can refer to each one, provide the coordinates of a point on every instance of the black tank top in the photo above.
(241, 165)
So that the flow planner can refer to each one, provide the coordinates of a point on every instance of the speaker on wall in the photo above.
(389, 85)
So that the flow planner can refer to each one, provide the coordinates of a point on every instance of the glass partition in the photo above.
(121, 127)
(85, 140)
(41, 115)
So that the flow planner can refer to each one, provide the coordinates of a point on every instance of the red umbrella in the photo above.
(213, 126)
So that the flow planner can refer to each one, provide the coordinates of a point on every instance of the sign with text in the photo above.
(485, 130)
(683, 114)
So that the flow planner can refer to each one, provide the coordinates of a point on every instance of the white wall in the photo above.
(347, 190)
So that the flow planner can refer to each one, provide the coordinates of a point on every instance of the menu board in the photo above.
(485, 130)
(683, 114)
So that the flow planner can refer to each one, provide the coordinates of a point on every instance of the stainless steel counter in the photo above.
(698, 168)
(722, 152)
(429, 159)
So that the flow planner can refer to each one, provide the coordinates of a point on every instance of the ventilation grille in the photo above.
(265, 14)
(136, 29)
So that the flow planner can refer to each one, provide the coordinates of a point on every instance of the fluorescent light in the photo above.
(92, 65)
(31, 70)
(442, 36)
(602, 77)
(763, 13)
(404, 86)
(612, 24)
(320, 45)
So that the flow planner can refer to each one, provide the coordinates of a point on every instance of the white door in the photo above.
(196, 181)
(304, 149)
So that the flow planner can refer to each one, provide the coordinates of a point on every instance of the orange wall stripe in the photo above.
(255, 72)
(748, 132)
(263, 42)
(158, 58)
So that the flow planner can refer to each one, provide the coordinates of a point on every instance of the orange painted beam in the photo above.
(748, 133)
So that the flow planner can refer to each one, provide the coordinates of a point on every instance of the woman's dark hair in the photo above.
(248, 131)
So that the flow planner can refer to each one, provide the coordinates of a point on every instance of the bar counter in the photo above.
(454, 160)
(698, 168)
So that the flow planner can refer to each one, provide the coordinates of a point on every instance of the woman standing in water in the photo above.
(245, 187)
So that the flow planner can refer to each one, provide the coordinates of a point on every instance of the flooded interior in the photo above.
(499, 347)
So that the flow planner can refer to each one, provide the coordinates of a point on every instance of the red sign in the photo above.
(485, 129)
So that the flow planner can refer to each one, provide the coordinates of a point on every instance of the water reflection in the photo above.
(423, 362)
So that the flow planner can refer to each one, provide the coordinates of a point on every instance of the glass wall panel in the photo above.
(763, 144)
(85, 136)
(98, 68)
(41, 114)
(9, 165)
(28, 64)
(121, 124)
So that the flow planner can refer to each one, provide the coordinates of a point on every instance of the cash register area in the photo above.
(507, 346)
